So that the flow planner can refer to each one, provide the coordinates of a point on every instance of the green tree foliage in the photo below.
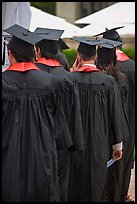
(49, 7)
(70, 55)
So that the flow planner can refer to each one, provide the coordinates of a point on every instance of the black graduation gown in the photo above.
(127, 66)
(102, 120)
(73, 118)
(30, 107)
(119, 171)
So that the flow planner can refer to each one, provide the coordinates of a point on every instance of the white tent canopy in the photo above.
(118, 13)
(46, 20)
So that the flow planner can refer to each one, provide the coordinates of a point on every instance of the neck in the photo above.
(88, 62)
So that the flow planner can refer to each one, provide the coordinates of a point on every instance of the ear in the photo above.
(10, 55)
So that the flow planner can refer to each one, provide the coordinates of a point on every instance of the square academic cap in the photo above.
(50, 42)
(22, 40)
(87, 46)
(52, 34)
(111, 34)
(49, 34)
(107, 43)
(23, 34)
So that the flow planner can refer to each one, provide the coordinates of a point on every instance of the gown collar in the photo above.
(22, 66)
(87, 68)
(49, 62)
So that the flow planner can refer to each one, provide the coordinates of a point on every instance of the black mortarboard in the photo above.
(49, 34)
(111, 34)
(23, 34)
(107, 43)
(22, 40)
(87, 46)
(51, 37)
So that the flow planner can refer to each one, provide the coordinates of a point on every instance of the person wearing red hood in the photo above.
(48, 60)
(102, 121)
(32, 121)
(127, 66)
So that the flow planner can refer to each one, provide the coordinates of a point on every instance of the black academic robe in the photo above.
(127, 66)
(30, 108)
(119, 171)
(103, 126)
(73, 117)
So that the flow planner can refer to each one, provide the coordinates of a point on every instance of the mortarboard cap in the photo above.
(51, 39)
(22, 40)
(23, 34)
(87, 46)
(107, 43)
(111, 34)
(49, 34)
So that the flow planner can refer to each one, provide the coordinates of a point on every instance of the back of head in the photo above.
(106, 57)
(87, 50)
(22, 51)
(49, 46)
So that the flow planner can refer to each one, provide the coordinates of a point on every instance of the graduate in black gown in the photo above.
(32, 119)
(127, 66)
(48, 62)
(107, 62)
(102, 122)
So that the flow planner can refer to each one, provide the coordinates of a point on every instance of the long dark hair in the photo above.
(107, 61)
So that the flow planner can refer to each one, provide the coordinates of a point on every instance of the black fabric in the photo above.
(118, 174)
(73, 117)
(71, 103)
(128, 68)
(31, 107)
(103, 125)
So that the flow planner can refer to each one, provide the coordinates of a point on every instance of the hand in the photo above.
(117, 154)
(77, 63)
